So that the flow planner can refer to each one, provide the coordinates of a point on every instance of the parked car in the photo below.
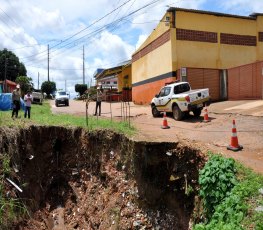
(179, 99)
(37, 98)
(61, 97)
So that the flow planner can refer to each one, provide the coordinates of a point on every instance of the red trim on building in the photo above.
(143, 94)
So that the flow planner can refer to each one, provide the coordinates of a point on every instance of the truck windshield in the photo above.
(181, 88)
(62, 93)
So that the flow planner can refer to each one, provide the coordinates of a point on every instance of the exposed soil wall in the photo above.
(74, 179)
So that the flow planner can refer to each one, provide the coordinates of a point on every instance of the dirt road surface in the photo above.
(214, 135)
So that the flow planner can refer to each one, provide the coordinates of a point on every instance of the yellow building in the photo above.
(117, 78)
(196, 46)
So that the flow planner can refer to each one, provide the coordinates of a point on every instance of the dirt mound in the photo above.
(74, 179)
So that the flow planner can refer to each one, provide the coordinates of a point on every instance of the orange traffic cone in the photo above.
(165, 123)
(206, 118)
(234, 146)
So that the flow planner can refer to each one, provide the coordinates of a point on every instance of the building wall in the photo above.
(151, 68)
(213, 41)
(246, 82)
(124, 78)
(260, 37)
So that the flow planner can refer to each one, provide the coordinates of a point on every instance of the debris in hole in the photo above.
(30, 157)
(169, 154)
(15, 185)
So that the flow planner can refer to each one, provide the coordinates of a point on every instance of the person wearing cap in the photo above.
(16, 101)
(98, 101)
(28, 100)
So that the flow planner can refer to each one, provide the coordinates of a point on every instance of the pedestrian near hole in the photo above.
(98, 101)
(28, 98)
(16, 94)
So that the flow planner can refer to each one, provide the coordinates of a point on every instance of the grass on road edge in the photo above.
(42, 115)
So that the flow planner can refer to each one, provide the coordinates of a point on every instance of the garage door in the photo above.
(245, 82)
(205, 78)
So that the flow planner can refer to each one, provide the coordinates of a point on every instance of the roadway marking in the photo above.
(248, 105)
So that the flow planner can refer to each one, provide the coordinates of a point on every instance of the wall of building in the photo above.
(124, 78)
(260, 37)
(151, 70)
(214, 41)
(246, 82)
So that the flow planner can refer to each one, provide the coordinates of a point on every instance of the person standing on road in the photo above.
(98, 101)
(28, 100)
(16, 101)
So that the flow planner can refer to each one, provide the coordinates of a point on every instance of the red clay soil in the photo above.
(214, 135)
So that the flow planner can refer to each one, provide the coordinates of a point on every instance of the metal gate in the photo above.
(205, 78)
(245, 82)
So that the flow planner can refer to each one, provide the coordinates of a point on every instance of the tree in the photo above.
(48, 87)
(10, 66)
(80, 88)
(25, 83)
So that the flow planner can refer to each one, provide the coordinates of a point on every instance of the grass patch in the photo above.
(11, 208)
(237, 209)
(41, 115)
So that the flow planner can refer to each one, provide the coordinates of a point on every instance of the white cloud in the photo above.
(242, 7)
(33, 24)
(141, 40)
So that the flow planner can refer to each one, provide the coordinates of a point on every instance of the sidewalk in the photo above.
(244, 107)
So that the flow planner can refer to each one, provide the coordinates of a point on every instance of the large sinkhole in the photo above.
(75, 179)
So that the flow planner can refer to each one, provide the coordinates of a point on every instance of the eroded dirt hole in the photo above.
(74, 179)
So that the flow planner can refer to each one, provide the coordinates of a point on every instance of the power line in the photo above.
(94, 33)
(62, 41)
(97, 30)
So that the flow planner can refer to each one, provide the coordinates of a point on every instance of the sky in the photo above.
(109, 32)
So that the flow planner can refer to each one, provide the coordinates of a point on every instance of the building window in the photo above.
(115, 82)
(108, 82)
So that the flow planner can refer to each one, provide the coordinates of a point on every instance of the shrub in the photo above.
(216, 180)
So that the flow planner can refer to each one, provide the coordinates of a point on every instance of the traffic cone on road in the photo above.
(206, 118)
(165, 123)
(234, 146)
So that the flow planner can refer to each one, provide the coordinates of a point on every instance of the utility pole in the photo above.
(6, 61)
(38, 80)
(47, 62)
(83, 65)
(65, 85)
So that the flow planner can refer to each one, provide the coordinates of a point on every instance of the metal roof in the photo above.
(112, 71)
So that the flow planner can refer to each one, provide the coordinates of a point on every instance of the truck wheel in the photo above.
(56, 103)
(155, 112)
(177, 113)
(197, 112)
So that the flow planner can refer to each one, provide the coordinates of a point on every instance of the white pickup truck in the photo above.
(179, 99)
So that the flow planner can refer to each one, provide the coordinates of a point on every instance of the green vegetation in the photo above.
(48, 87)
(41, 115)
(235, 191)
(81, 88)
(10, 208)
